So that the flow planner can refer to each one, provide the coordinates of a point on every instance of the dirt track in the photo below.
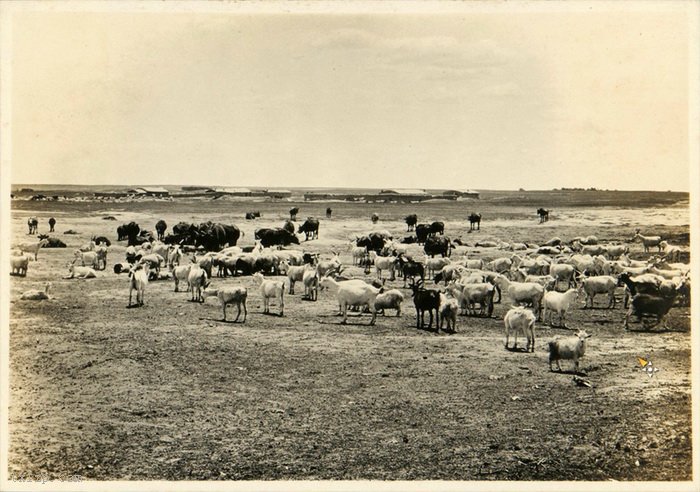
(167, 391)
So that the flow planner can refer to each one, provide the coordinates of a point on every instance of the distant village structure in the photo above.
(394, 195)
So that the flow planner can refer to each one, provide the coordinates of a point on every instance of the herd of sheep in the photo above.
(540, 281)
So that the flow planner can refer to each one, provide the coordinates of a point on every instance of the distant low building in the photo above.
(150, 191)
(461, 194)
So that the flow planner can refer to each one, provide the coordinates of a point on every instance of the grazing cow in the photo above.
(411, 221)
(329, 211)
(275, 237)
(437, 245)
(437, 228)
(293, 213)
(544, 214)
(422, 232)
(310, 228)
(52, 223)
(474, 220)
(33, 224)
(373, 242)
(161, 226)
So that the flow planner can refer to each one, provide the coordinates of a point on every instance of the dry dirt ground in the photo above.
(168, 391)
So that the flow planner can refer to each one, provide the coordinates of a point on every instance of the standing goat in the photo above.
(571, 348)
(519, 319)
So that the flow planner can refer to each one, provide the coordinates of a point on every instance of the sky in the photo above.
(487, 99)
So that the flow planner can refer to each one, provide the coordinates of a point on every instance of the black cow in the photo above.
(474, 220)
(252, 215)
(329, 211)
(437, 228)
(128, 231)
(52, 223)
(293, 213)
(288, 226)
(310, 228)
(181, 228)
(544, 214)
(437, 245)
(411, 221)
(161, 226)
(275, 237)
(422, 232)
(373, 242)
(101, 240)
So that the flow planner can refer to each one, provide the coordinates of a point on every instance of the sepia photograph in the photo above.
(349, 245)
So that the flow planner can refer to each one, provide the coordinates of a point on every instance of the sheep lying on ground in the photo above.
(231, 294)
(520, 319)
(80, 272)
(36, 295)
(569, 348)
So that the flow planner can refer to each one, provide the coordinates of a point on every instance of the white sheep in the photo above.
(468, 294)
(559, 302)
(569, 348)
(138, 279)
(563, 272)
(600, 284)
(87, 258)
(353, 293)
(615, 251)
(447, 313)
(390, 299)
(499, 265)
(36, 295)
(385, 263)
(519, 319)
(476, 264)
(270, 289)
(231, 294)
(19, 265)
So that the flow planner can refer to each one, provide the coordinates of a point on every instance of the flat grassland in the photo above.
(169, 391)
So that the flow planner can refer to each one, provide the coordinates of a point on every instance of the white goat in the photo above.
(31, 247)
(390, 299)
(519, 319)
(648, 241)
(568, 348)
(270, 289)
(310, 280)
(523, 292)
(601, 284)
(434, 265)
(385, 263)
(353, 293)
(197, 280)
(563, 273)
(447, 313)
(80, 272)
(231, 294)
(138, 280)
(558, 302)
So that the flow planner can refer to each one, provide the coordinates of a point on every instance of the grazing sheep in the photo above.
(559, 302)
(601, 284)
(231, 294)
(519, 319)
(390, 299)
(36, 295)
(138, 279)
(353, 293)
(270, 289)
(569, 348)
(18, 265)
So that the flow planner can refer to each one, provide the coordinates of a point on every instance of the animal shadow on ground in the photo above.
(520, 350)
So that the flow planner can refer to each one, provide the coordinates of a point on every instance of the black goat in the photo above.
(426, 300)
(649, 305)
